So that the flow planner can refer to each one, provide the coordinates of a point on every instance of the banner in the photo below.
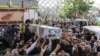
(30, 14)
(26, 14)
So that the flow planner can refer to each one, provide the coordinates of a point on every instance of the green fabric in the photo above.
(22, 29)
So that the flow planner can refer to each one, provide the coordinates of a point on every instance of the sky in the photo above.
(97, 3)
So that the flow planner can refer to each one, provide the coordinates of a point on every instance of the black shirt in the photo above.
(27, 34)
(67, 48)
(54, 44)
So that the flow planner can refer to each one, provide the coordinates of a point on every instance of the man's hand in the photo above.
(53, 54)
(76, 47)
(43, 50)
(64, 41)
(38, 39)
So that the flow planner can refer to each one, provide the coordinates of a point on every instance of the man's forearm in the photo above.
(41, 54)
(57, 48)
(31, 47)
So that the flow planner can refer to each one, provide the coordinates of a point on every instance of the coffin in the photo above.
(43, 30)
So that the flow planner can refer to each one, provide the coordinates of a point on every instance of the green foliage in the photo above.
(47, 14)
(97, 23)
(39, 13)
(71, 7)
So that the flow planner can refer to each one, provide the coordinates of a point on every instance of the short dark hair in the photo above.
(95, 37)
(28, 21)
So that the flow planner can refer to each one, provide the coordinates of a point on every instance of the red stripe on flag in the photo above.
(42, 32)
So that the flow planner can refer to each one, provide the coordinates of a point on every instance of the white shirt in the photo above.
(14, 52)
(28, 50)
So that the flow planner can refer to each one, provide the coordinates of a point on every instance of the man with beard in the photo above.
(28, 34)
(65, 43)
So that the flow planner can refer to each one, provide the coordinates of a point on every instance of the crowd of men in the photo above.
(73, 42)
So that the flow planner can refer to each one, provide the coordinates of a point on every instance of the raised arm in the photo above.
(56, 49)
(43, 43)
(43, 50)
(32, 46)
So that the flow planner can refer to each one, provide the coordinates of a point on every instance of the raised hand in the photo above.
(43, 50)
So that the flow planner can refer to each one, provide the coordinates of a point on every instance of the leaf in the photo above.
(71, 7)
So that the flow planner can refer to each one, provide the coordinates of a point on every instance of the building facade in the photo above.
(12, 11)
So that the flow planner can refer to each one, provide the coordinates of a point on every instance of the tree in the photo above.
(47, 15)
(72, 7)
(39, 14)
